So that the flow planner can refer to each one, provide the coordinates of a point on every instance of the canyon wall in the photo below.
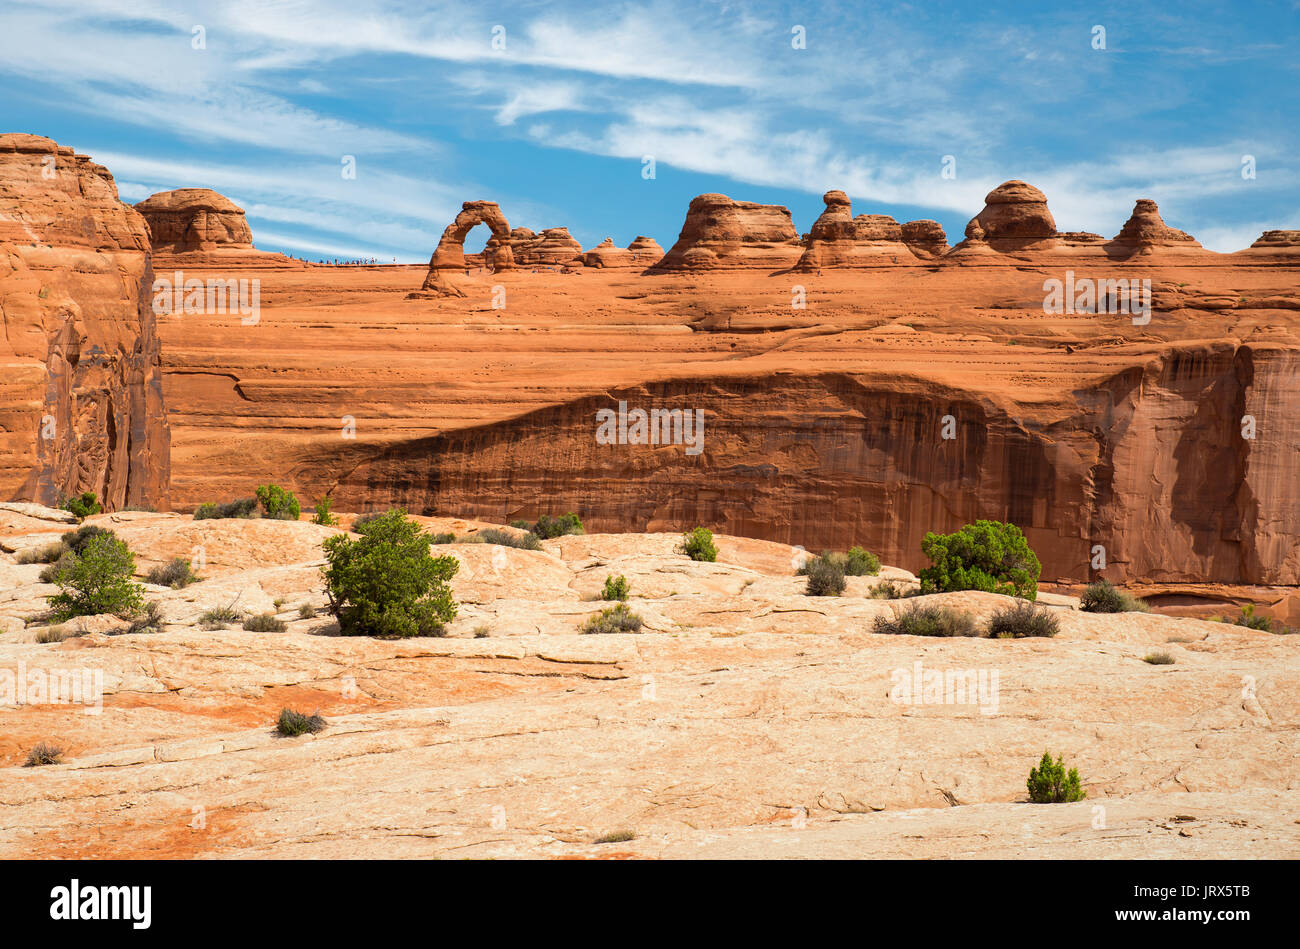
(1150, 464)
(81, 404)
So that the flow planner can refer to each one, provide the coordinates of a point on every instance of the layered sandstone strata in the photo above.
(1015, 218)
(925, 238)
(1145, 233)
(195, 219)
(553, 247)
(722, 234)
(81, 400)
(646, 250)
(606, 254)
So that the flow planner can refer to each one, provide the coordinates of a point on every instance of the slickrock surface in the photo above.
(747, 720)
(720, 234)
(81, 406)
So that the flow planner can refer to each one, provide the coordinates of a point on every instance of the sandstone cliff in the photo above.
(81, 403)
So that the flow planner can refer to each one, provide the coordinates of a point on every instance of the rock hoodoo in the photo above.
(553, 247)
(646, 250)
(722, 234)
(838, 239)
(81, 401)
(195, 219)
(606, 254)
(449, 256)
(1145, 229)
(925, 238)
(1015, 214)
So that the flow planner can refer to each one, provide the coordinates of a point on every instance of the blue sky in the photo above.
(555, 126)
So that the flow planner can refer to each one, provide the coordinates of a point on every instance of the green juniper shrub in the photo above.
(83, 506)
(291, 724)
(1104, 597)
(490, 535)
(825, 576)
(1248, 618)
(548, 526)
(277, 503)
(927, 619)
(386, 583)
(42, 754)
(521, 525)
(243, 508)
(698, 545)
(322, 514)
(1022, 620)
(77, 540)
(265, 623)
(861, 563)
(365, 520)
(176, 574)
(616, 619)
(98, 580)
(1050, 784)
(987, 555)
(47, 553)
(51, 571)
(615, 588)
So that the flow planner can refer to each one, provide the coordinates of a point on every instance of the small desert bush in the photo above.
(83, 506)
(615, 588)
(522, 525)
(291, 724)
(53, 634)
(175, 574)
(616, 619)
(52, 570)
(548, 526)
(306, 611)
(386, 583)
(991, 556)
(219, 617)
(147, 620)
(322, 514)
(49, 553)
(825, 576)
(617, 837)
(44, 753)
(277, 503)
(886, 590)
(1050, 784)
(861, 563)
(1023, 620)
(265, 623)
(446, 537)
(240, 508)
(698, 545)
(482, 632)
(490, 535)
(1104, 597)
(98, 580)
(1158, 659)
(927, 620)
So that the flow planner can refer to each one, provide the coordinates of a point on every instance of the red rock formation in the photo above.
(81, 403)
(925, 238)
(838, 239)
(722, 234)
(553, 247)
(1015, 212)
(1274, 246)
(194, 219)
(605, 254)
(449, 257)
(1145, 232)
(646, 250)
(518, 239)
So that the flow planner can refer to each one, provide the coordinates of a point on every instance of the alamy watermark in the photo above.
(1086, 295)
(23, 686)
(921, 686)
(175, 295)
(655, 427)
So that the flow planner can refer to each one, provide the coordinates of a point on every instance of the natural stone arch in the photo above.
(449, 257)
